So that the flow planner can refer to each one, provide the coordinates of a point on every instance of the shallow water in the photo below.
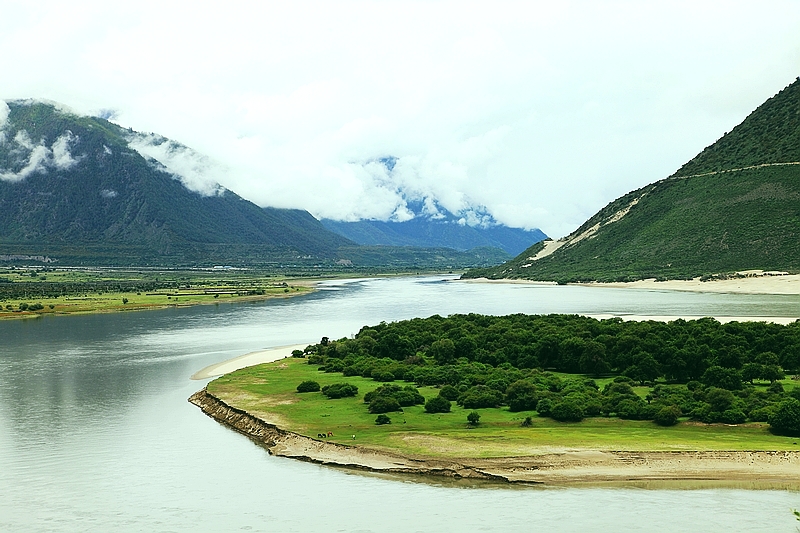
(96, 433)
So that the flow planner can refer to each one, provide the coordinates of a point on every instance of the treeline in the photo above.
(40, 289)
(700, 368)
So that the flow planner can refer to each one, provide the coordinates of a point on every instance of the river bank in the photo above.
(547, 466)
(118, 302)
(751, 283)
(249, 359)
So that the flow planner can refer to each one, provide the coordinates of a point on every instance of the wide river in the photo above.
(96, 433)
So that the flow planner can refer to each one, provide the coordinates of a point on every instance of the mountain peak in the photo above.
(733, 207)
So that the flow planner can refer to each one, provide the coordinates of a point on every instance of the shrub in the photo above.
(786, 418)
(383, 419)
(629, 409)
(567, 412)
(407, 398)
(667, 416)
(480, 396)
(528, 422)
(761, 414)
(449, 392)
(544, 407)
(776, 387)
(439, 404)
(298, 353)
(339, 390)
(308, 386)
(383, 404)
(733, 416)
(474, 418)
(382, 375)
(719, 399)
(521, 396)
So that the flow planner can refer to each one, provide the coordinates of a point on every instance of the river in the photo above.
(96, 433)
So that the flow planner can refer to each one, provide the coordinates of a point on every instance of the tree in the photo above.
(383, 404)
(567, 411)
(339, 390)
(544, 407)
(521, 396)
(383, 419)
(667, 416)
(593, 360)
(720, 400)
(443, 351)
(449, 392)
(308, 386)
(480, 396)
(786, 418)
(473, 418)
(724, 378)
(438, 404)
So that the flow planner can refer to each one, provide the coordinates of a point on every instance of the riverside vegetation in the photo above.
(33, 292)
(554, 380)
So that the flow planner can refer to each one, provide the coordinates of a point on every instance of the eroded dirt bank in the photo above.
(556, 468)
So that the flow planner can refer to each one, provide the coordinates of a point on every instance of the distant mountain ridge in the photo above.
(444, 229)
(73, 187)
(733, 207)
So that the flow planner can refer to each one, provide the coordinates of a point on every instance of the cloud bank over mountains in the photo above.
(541, 112)
(29, 156)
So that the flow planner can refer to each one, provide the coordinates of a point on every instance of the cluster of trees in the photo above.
(339, 390)
(701, 368)
(389, 397)
(678, 351)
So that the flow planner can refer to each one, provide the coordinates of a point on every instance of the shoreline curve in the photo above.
(267, 355)
(770, 469)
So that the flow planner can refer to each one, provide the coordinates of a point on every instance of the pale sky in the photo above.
(542, 112)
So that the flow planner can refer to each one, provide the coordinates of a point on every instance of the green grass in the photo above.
(269, 391)
(72, 291)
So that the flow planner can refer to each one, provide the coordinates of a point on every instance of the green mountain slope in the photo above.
(73, 188)
(736, 206)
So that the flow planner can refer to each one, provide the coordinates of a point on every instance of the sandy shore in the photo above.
(248, 359)
(721, 319)
(551, 467)
(788, 284)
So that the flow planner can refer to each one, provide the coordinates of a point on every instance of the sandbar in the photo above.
(249, 359)
(788, 284)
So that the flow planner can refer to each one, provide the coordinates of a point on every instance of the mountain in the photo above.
(77, 189)
(441, 229)
(734, 207)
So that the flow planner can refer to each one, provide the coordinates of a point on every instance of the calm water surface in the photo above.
(96, 433)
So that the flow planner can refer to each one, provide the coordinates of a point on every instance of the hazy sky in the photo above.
(541, 111)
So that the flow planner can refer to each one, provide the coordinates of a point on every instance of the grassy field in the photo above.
(68, 291)
(269, 391)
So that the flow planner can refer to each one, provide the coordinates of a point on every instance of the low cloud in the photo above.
(196, 171)
(4, 111)
(31, 157)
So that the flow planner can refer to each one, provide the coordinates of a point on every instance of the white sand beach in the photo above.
(249, 359)
(756, 284)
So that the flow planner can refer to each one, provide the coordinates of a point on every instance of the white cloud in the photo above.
(62, 159)
(542, 112)
(4, 111)
(37, 157)
(196, 171)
